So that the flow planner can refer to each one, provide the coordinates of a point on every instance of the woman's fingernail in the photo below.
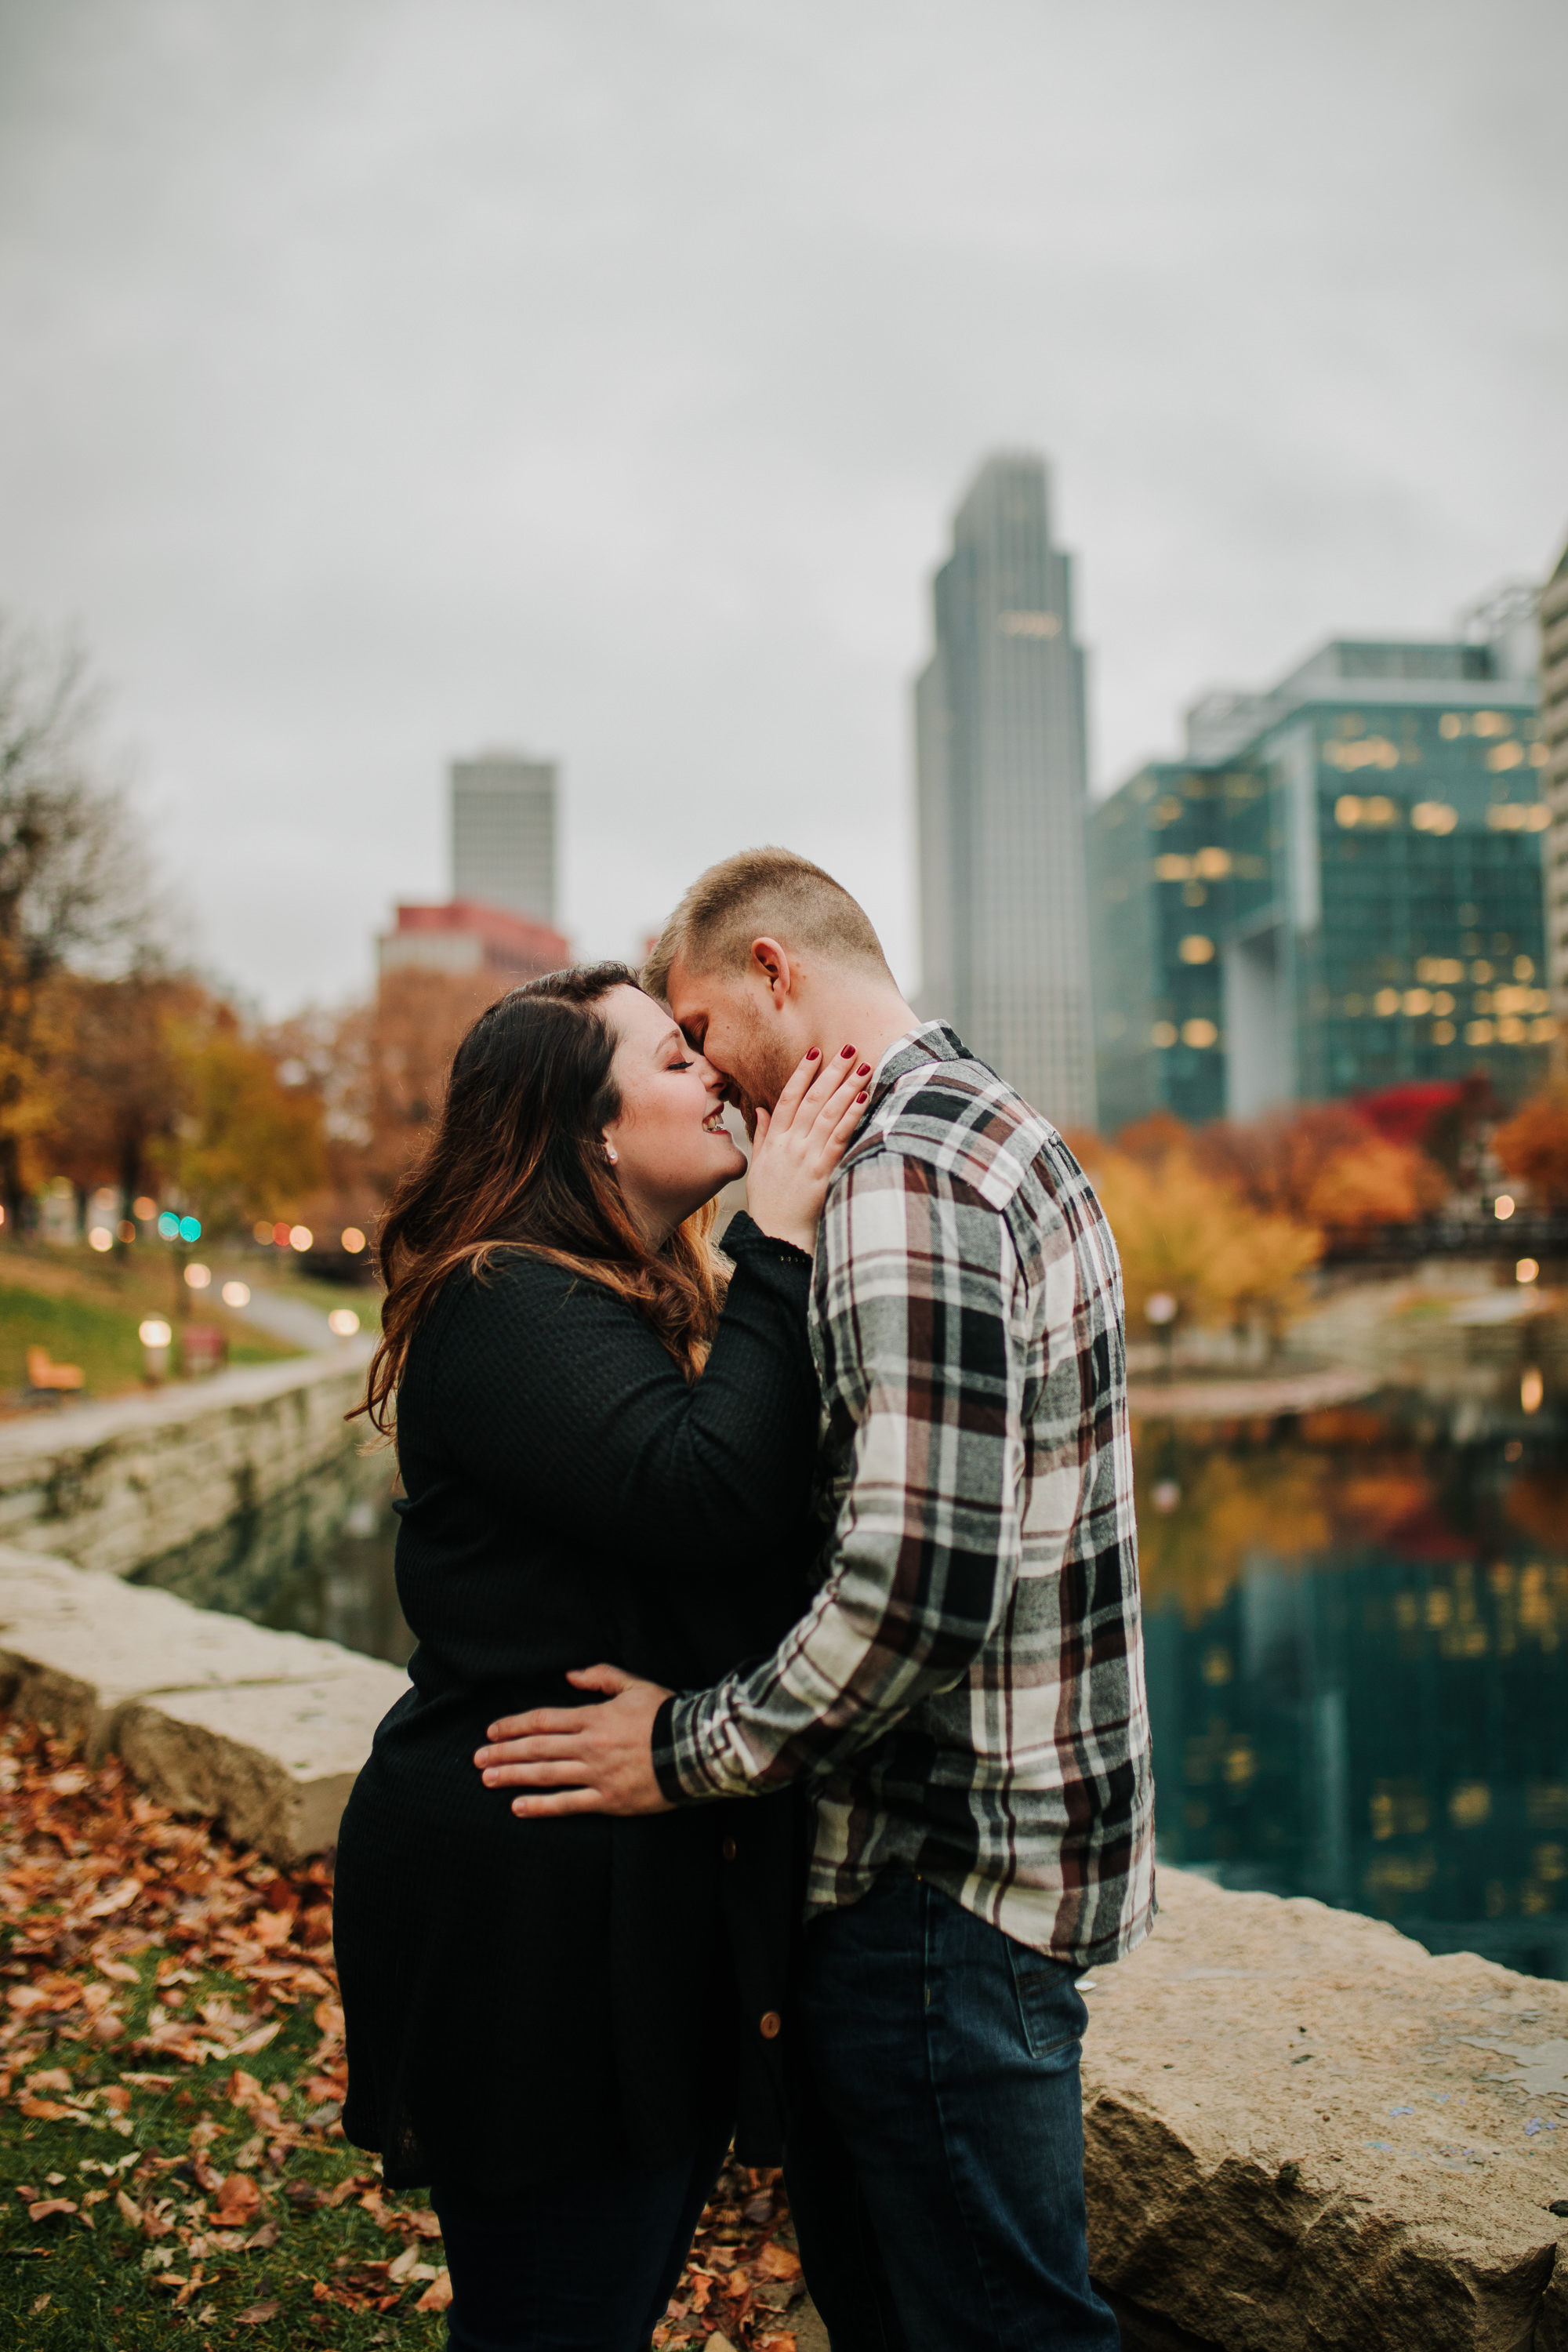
(864, 1071)
(849, 1052)
(862, 1095)
(811, 1054)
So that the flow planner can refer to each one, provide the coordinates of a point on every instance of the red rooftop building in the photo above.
(470, 936)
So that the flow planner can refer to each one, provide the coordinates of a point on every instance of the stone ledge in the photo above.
(1306, 2134)
(265, 1731)
(109, 1485)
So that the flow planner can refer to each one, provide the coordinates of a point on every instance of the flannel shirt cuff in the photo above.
(677, 1764)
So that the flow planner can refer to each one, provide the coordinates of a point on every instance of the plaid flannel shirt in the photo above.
(966, 1695)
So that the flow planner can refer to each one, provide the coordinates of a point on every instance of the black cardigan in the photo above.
(530, 1999)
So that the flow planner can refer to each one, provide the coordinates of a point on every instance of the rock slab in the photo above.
(265, 1731)
(1304, 2132)
(112, 1486)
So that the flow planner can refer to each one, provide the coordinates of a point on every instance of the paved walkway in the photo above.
(1246, 1398)
(295, 1320)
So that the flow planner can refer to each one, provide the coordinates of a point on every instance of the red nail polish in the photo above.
(849, 1052)
(811, 1055)
(864, 1071)
(862, 1095)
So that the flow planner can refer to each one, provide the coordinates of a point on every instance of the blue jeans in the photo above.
(586, 2265)
(935, 2159)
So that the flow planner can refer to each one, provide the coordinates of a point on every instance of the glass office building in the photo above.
(1340, 889)
(1001, 791)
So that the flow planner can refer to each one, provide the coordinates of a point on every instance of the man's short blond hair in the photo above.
(763, 894)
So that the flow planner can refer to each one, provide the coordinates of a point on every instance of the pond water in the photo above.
(1356, 1626)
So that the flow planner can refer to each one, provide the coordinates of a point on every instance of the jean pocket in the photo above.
(1050, 2008)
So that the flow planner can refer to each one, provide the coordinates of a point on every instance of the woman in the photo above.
(556, 2025)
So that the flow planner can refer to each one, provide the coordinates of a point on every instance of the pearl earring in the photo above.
(610, 1153)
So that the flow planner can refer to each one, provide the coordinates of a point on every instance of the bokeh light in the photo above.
(190, 1229)
(144, 1209)
(263, 1233)
(353, 1240)
(101, 1238)
(237, 1294)
(1525, 1270)
(155, 1333)
(301, 1237)
(169, 1225)
(126, 1229)
(1531, 1389)
(198, 1276)
(280, 1236)
(1502, 1207)
(343, 1321)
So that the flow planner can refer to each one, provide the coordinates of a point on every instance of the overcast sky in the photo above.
(394, 378)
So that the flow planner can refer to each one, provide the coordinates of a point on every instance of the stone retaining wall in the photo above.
(111, 1486)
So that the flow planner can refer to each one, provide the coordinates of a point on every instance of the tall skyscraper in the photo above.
(1554, 786)
(1001, 769)
(503, 833)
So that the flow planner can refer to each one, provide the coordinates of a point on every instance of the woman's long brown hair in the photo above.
(517, 1162)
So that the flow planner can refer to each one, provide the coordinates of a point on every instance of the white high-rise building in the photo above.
(1003, 785)
(503, 833)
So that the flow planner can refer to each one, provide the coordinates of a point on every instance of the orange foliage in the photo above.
(1180, 1231)
(1533, 1144)
(1323, 1166)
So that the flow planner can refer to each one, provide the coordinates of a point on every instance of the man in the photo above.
(965, 1698)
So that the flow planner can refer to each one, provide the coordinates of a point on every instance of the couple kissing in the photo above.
(776, 1753)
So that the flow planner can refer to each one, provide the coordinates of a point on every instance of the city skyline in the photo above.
(350, 427)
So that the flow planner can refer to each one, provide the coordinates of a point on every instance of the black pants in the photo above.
(579, 2265)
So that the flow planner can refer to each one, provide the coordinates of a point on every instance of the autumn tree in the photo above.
(244, 1141)
(379, 1070)
(70, 881)
(119, 1089)
(1320, 1165)
(1534, 1145)
(1182, 1232)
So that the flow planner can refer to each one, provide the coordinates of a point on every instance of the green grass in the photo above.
(101, 1339)
(69, 2287)
(87, 1312)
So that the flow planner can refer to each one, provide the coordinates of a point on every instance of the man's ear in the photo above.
(773, 964)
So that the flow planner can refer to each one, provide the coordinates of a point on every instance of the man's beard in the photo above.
(764, 1072)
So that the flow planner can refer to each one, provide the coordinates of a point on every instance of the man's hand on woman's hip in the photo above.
(580, 1760)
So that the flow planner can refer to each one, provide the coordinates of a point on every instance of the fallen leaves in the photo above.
(437, 2296)
(131, 1930)
(238, 2201)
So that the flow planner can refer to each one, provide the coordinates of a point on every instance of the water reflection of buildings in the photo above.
(1357, 1659)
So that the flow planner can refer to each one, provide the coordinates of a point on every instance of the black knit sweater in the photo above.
(530, 1999)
